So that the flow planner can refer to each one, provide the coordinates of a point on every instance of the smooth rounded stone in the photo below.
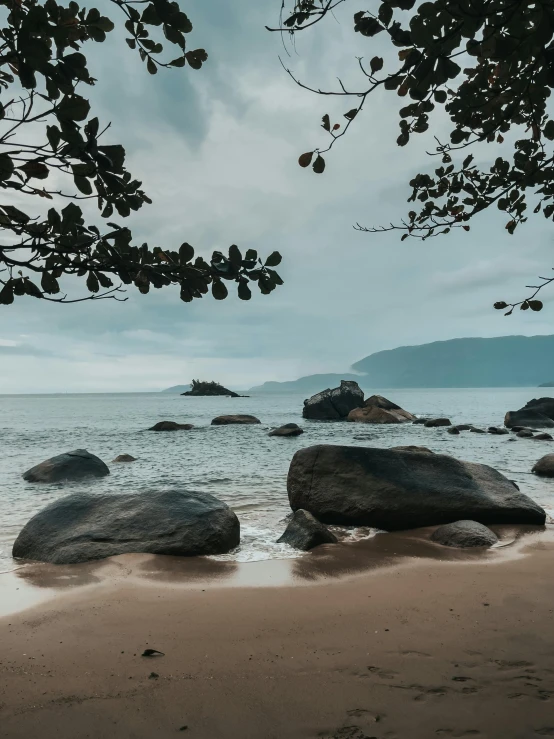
(545, 466)
(171, 426)
(335, 404)
(305, 532)
(453, 430)
(515, 429)
(476, 430)
(392, 490)
(289, 429)
(498, 431)
(124, 458)
(463, 426)
(435, 422)
(464, 534)
(74, 465)
(83, 527)
(543, 437)
(537, 412)
(237, 419)
(412, 448)
(420, 420)
(525, 434)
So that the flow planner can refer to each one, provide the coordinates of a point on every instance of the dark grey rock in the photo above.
(498, 431)
(453, 430)
(434, 422)
(237, 419)
(80, 527)
(420, 420)
(380, 410)
(464, 534)
(124, 458)
(391, 489)
(545, 466)
(412, 448)
(74, 465)
(171, 426)
(336, 404)
(543, 437)
(306, 532)
(476, 430)
(537, 412)
(289, 429)
(525, 434)
(464, 426)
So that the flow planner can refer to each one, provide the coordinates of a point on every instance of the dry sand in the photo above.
(418, 649)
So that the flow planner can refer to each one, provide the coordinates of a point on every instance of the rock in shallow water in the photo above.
(378, 409)
(537, 412)
(80, 527)
(435, 422)
(335, 404)
(171, 426)
(391, 489)
(236, 419)
(464, 534)
(74, 465)
(306, 532)
(545, 466)
(289, 429)
(124, 458)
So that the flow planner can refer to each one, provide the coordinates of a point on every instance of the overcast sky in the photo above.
(217, 150)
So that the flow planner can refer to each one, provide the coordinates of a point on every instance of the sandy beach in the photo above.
(410, 647)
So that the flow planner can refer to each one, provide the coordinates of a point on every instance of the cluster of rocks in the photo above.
(391, 489)
(200, 388)
(537, 412)
(347, 403)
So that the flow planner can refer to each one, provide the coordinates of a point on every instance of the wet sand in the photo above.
(396, 639)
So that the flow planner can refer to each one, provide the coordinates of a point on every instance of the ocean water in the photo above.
(242, 465)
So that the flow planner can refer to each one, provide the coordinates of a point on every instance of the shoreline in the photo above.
(31, 585)
(413, 648)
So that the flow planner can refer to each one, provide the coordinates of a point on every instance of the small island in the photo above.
(547, 384)
(199, 388)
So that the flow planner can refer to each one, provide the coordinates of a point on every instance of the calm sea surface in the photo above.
(239, 464)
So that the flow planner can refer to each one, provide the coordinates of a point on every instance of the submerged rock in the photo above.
(453, 430)
(171, 426)
(498, 431)
(464, 534)
(420, 420)
(476, 430)
(237, 419)
(525, 434)
(124, 458)
(335, 404)
(306, 532)
(464, 426)
(543, 437)
(289, 429)
(545, 466)
(80, 527)
(391, 489)
(434, 422)
(537, 412)
(74, 465)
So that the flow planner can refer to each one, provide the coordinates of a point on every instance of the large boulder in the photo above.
(545, 466)
(238, 419)
(336, 404)
(392, 489)
(171, 426)
(306, 532)
(74, 465)
(82, 527)
(537, 412)
(464, 534)
(378, 409)
(289, 429)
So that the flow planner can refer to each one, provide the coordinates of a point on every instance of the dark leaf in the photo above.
(219, 291)
(319, 165)
(535, 305)
(304, 160)
(325, 122)
(273, 260)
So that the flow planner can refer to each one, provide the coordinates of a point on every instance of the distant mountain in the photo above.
(310, 384)
(547, 384)
(177, 389)
(505, 361)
